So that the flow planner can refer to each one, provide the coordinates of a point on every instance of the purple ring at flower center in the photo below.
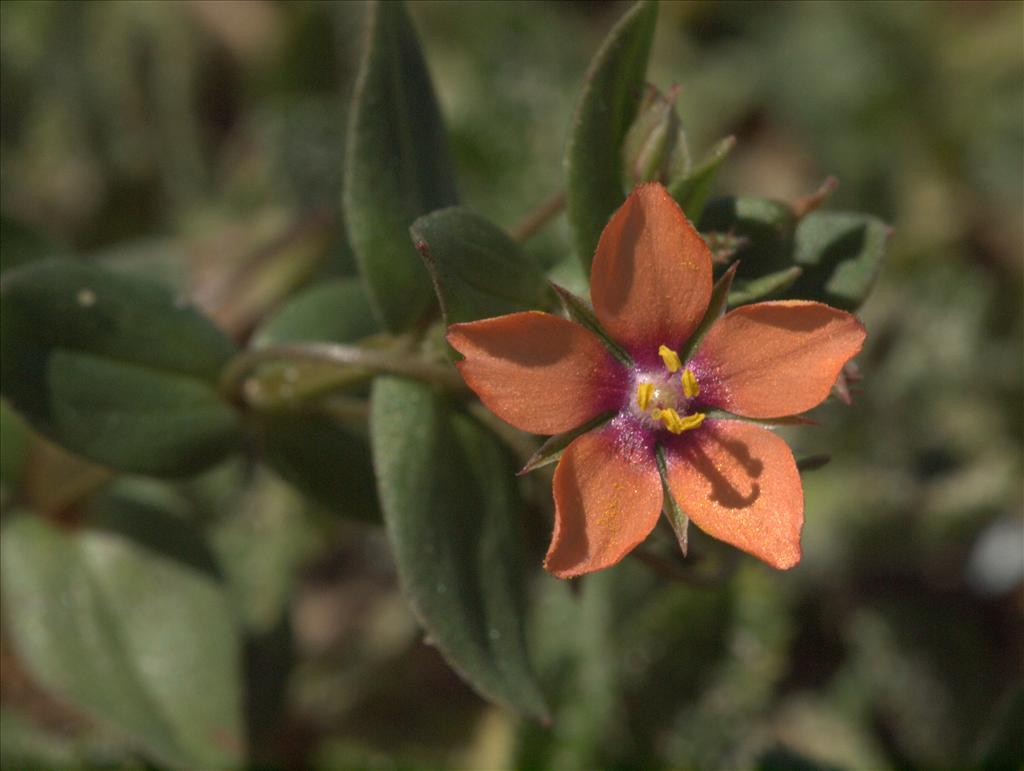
(637, 431)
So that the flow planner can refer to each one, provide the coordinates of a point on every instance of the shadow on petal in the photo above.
(738, 490)
(739, 483)
(605, 504)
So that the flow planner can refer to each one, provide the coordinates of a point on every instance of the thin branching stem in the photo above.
(348, 356)
(537, 219)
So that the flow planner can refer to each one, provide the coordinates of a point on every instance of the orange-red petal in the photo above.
(539, 372)
(778, 358)
(739, 483)
(606, 502)
(651, 277)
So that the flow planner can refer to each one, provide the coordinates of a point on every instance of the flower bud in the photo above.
(654, 149)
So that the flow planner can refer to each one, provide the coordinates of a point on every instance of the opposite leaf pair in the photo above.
(651, 285)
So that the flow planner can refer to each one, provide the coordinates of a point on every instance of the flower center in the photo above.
(660, 396)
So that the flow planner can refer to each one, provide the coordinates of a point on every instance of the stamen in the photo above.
(690, 422)
(678, 425)
(670, 357)
(672, 421)
(690, 385)
(644, 392)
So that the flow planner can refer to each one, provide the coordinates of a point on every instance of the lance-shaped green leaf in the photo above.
(14, 450)
(478, 271)
(552, 449)
(20, 244)
(999, 746)
(111, 367)
(577, 655)
(764, 227)
(719, 299)
(692, 191)
(262, 536)
(453, 517)
(333, 312)
(841, 254)
(763, 286)
(612, 92)
(676, 516)
(326, 458)
(129, 623)
(398, 166)
(336, 311)
(579, 310)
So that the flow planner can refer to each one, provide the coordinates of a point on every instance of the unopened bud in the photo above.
(654, 149)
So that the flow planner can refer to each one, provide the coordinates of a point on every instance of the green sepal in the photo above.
(719, 299)
(784, 420)
(579, 310)
(551, 451)
(692, 191)
(655, 147)
(612, 93)
(673, 513)
(763, 286)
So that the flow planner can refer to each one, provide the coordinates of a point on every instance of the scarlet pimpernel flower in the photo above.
(693, 395)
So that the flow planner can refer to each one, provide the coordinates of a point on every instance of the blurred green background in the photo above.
(201, 143)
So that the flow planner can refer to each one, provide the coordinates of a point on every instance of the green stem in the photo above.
(536, 220)
(346, 409)
(347, 356)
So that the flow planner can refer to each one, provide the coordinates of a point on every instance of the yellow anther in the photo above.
(656, 413)
(671, 420)
(678, 425)
(690, 422)
(690, 385)
(670, 357)
(644, 392)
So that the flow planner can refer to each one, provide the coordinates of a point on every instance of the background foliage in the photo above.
(252, 613)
